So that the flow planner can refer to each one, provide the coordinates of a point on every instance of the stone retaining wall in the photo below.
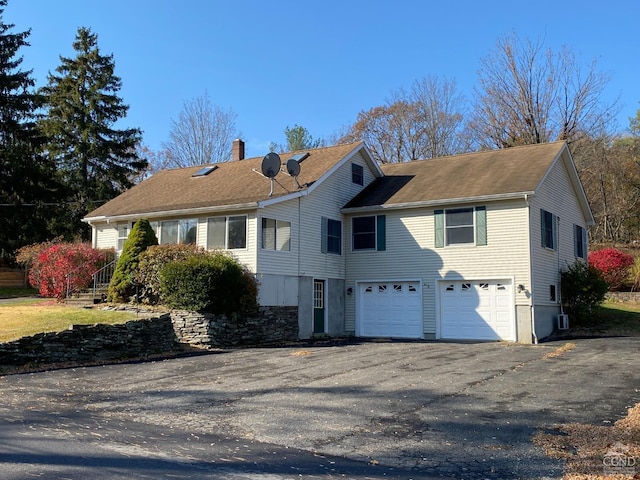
(270, 325)
(93, 343)
(626, 297)
(152, 336)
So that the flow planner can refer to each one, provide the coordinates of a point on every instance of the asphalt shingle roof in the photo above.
(480, 174)
(232, 183)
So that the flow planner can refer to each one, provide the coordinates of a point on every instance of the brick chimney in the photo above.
(237, 150)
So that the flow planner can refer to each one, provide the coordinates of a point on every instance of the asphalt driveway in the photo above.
(396, 410)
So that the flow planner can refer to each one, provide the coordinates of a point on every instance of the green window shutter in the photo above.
(323, 235)
(381, 233)
(585, 243)
(438, 219)
(481, 225)
(577, 238)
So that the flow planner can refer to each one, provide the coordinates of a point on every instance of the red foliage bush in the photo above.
(65, 266)
(613, 264)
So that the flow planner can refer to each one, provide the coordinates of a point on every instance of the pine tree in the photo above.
(94, 159)
(27, 186)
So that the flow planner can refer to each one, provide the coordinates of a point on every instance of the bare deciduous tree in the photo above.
(610, 173)
(527, 94)
(424, 122)
(203, 133)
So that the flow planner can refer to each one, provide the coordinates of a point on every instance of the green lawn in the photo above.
(30, 316)
(611, 318)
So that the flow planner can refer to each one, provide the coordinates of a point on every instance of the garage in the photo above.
(389, 309)
(477, 310)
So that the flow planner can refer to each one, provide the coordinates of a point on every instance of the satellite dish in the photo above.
(270, 165)
(293, 167)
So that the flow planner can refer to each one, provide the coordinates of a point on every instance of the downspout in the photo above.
(531, 302)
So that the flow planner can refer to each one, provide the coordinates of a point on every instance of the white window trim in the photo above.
(226, 232)
(446, 228)
(276, 220)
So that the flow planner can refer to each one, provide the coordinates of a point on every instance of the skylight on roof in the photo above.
(205, 171)
(298, 157)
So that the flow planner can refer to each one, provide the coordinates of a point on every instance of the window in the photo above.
(276, 234)
(364, 233)
(369, 233)
(123, 233)
(331, 233)
(187, 231)
(227, 233)
(357, 174)
(460, 226)
(552, 293)
(169, 232)
(548, 227)
(155, 226)
(580, 241)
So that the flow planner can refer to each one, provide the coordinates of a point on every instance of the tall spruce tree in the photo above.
(28, 192)
(95, 160)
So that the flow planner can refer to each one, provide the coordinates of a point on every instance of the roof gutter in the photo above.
(440, 202)
(171, 213)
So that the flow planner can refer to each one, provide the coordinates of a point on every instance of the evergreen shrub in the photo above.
(583, 289)
(123, 285)
(151, 263)
(215, 283)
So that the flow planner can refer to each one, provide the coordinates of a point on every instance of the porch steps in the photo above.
(88, 297)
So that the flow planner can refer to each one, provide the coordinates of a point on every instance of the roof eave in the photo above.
(441, 202)
(171, 213)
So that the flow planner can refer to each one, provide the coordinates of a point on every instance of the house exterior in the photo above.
(466, 247)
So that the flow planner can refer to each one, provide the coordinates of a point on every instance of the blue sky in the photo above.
(313, 63)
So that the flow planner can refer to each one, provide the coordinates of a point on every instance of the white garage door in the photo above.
(477, 310)
(389, 309)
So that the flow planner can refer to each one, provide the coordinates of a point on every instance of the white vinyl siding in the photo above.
(326, 201)
(410, 252)
(106, 236)
(554, 195)
(280, 262)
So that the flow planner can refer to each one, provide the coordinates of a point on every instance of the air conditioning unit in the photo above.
(563, 321)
